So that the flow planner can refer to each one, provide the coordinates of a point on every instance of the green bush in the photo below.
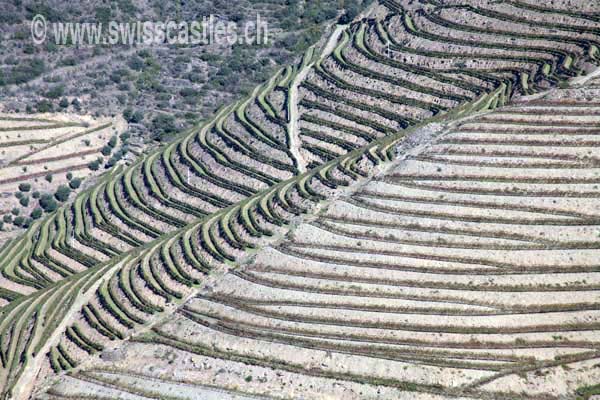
(188, 92)
(75, 183)
(29, 69)
(48, 177)
(24, 187)
(44, 106)
(76, 104)
(94, 165)
(24, 201)
(35, 195)
(64, 103)
(15, 211)
(7, 218)
(55, 92)
(19, 221)
(136, 63)
(106, 150)
(112, 142)
(36, 213)
(62, 193)
(163, 125)
(48, 203)
(69, 176)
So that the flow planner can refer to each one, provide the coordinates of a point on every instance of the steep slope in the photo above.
(140, 288)
(387, 73)
(466, 269)
(200, 203)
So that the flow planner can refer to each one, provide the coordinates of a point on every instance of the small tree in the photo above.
(64, 103)
(75, 183)
(163, 126)
(35, 195)
(112, 142)
(76, 104)
(36, 213)
(69, 176)
(55, 92)
(24, 187)
(48, 203)
(49, 177)
(94, 165)
(15, 211)
(132, 116)
(62, 193)
(19, 221)
(24, 201)
(44, 106)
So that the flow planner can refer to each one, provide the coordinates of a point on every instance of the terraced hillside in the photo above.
(467, 269)
(387, 73)
(133, 291)
(129, 250)
(183, 182)
(410, 62)
(34, 147)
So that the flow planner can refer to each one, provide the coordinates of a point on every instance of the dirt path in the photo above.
(25, 384)
(293, 97)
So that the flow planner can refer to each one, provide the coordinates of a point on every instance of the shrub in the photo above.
(43, 106)
(24, 187)
(103, 14)
(112, 142)
(55, 92)
(94, 165)
(163, 126)
(68, 61)
(19, 221)
(62, 193)
(7, 218)
(76, 104)
(106, 150)
(35, 195)
(48, 203)
(15, 211)
(48, 177)
(64, 103)
(18, 195)
(133, 116)
(1, 226)
(69, 176)
(136, 63)
(24, 201)
(36, 213)
(26, 71)
(188, 92)
(75, 183)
